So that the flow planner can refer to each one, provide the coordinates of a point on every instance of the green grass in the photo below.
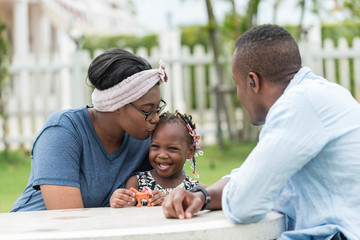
(14, 175)
(215, 163)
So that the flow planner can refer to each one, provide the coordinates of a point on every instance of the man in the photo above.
(306, 164)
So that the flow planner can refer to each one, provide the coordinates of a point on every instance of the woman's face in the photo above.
(133, 121)
(169, 149)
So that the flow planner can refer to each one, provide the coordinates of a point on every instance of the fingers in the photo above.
(175, 203)
(118, 203)
(168, 207)
(122, 197)
(182, 204)
(181, 201)
(194, 206)
(157, 197)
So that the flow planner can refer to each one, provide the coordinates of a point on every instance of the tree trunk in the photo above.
(300, 28)
(213, 42)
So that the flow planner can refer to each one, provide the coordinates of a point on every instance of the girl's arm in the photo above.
(132, 182)
(123, 196)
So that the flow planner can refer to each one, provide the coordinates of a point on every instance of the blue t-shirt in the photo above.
(67, 152)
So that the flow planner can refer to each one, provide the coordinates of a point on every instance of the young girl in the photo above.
(173, 141)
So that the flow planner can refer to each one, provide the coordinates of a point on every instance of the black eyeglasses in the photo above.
(150, 115)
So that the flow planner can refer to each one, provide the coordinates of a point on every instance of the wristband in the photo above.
(207, 196)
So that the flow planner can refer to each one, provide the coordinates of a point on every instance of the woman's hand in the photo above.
(121, 198)
(157, 197)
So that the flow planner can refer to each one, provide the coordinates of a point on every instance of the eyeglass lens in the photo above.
(157, 111)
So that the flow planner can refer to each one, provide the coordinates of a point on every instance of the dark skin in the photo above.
(169, 149)
(110, 129)
(257, 98)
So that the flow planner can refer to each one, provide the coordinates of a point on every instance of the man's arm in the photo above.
(292, 136)
(183, 204)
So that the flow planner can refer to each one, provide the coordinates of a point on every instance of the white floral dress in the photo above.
(148, 183)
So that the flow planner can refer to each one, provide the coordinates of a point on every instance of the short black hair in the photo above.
(268, 50)
(113, 66)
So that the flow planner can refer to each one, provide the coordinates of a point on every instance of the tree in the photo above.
(353, 6)
(276, 7)
(214, 45)
(251, 13)
(92, 43)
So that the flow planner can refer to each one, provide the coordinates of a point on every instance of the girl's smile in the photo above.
(169, 148)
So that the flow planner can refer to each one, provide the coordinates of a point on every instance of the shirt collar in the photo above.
(299, 76)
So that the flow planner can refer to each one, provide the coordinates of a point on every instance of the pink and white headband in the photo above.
(128, 90)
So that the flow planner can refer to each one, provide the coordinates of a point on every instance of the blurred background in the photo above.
(46, 47)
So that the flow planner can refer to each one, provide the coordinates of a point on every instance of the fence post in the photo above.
(200, 84)
(21, 55)
(77, 87)
(356, 48)
(330, 69)
(170, 47)
(185, 53)
(344, 64)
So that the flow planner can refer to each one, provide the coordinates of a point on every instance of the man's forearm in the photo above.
(215, 192)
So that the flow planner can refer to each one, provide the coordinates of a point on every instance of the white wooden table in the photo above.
(132, 223)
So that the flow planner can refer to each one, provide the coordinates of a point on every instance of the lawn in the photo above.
(14, 174)
(215, 163)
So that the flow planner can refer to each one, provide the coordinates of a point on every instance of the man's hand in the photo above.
(182, 204)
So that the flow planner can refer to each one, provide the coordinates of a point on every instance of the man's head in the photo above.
(265, 60)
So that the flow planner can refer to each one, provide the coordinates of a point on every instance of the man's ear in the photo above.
(191, 151)
(254, 81)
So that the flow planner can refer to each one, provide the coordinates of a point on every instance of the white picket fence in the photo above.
(41, 87)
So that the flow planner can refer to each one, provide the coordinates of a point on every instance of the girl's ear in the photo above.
(191, 151)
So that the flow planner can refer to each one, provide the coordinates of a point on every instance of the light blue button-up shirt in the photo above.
(306, 164)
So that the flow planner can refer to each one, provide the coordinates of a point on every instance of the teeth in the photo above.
(164, 166)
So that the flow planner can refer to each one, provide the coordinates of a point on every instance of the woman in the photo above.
(82, 155)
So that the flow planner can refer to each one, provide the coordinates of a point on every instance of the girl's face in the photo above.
(133, 121)
(170, 148)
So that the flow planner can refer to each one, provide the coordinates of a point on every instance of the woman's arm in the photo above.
(56, 165)
(61, 197)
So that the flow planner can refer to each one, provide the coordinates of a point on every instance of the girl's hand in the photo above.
(121, 198)
(157, 197)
